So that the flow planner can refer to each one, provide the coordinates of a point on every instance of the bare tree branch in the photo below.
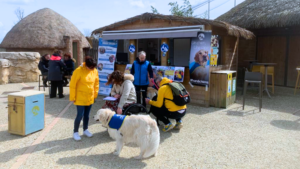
(19, 13)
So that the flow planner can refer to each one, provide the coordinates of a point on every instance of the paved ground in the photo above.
(210, 138)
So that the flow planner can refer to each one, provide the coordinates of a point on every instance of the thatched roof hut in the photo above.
(44, 31)
(148, 31)
(148, 17)
(276, 26)
(257, 14)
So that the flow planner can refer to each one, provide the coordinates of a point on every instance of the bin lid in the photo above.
(224, 71)
(26, 93)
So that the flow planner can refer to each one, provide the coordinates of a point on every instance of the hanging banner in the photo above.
(213, 60)
(200, 59)
(214, 50)
(106, 60)
(173, 73)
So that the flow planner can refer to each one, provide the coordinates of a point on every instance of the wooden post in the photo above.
(132, 56)
(235, 47)
(164, 59)
(79, 53)
(68, 42)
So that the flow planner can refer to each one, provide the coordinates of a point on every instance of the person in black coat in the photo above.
(70, 64)
(43, 66)
(55, 74)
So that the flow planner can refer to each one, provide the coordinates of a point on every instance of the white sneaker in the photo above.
(87, 133)
(76, 136)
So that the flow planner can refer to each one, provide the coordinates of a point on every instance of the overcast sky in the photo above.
(92, 14)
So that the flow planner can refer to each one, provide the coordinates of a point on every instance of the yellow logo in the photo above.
(35, 110)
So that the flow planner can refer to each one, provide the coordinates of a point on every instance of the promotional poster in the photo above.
(128, 68)
(214, 50)
(173, 73)
(200, 59)
(106, 60)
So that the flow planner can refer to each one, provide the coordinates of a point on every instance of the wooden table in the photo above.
(266, 75)
(251, 61)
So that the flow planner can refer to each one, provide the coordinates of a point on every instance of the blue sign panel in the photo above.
(131, 48)
(164, 48)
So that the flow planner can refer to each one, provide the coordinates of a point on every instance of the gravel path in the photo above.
(210, 138)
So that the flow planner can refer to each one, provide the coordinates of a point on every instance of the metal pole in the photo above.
(234, 3)
(208, 8)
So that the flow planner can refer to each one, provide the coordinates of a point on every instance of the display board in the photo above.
(173, 73)
(106, 60)
(200, 59)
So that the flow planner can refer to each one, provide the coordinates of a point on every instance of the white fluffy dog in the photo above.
(139, 129)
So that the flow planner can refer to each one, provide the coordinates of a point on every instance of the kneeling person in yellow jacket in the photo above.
(164, 108)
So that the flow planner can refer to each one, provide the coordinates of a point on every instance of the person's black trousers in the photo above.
(54, 86)
(163, 114)
(138, 94)
(45, 78)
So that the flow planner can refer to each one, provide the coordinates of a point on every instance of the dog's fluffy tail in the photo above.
(154, 139)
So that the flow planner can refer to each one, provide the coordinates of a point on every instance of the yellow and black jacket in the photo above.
(164, 93)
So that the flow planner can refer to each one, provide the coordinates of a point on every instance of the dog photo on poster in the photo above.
(200, 59)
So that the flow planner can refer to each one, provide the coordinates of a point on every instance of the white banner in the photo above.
(107, 51)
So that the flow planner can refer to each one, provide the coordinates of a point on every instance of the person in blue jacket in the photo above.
(140, 70)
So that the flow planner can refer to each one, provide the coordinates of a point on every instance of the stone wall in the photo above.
(4, 71)
(42, 51)
(17, 67)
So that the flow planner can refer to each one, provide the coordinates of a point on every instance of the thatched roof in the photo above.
(147, 17)
(42, 29)
(255, 14)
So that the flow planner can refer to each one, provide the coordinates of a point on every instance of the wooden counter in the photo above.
(199, 95)
(223, 88)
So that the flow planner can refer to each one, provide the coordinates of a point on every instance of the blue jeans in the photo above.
(82, 112)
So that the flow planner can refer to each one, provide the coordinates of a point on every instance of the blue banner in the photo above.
(200, 59)
(107, 51)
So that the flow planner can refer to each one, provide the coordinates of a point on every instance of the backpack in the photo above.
(181, 96)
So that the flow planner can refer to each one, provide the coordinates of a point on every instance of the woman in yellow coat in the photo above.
(84, 88)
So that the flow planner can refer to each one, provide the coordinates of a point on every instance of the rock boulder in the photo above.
(17, 67)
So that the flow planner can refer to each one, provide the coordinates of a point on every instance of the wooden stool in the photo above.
(256, 68)
(297, 82)
(271, 73)
(43, 77)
